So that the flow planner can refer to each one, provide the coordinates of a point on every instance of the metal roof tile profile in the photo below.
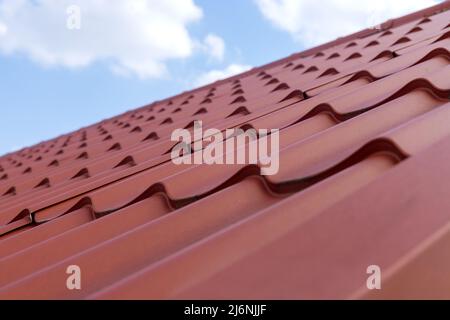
(362, 181)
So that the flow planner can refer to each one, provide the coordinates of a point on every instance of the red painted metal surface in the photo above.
(363, 180)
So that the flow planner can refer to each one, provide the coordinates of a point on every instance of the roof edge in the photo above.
(391, 23)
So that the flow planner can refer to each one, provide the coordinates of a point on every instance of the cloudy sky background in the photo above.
(128, 53)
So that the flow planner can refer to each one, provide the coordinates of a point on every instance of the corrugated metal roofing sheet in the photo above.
(363, 180)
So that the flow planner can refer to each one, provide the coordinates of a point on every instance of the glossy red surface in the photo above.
(363, 180)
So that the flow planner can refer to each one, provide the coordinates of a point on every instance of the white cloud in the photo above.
(134, 37)
(15, 148)
(214, 46)
(313, 22)
(214, 75)
(3, 29)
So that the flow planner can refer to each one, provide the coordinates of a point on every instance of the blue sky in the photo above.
(54, 80)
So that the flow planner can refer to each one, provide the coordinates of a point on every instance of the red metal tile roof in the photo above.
(363, 180)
